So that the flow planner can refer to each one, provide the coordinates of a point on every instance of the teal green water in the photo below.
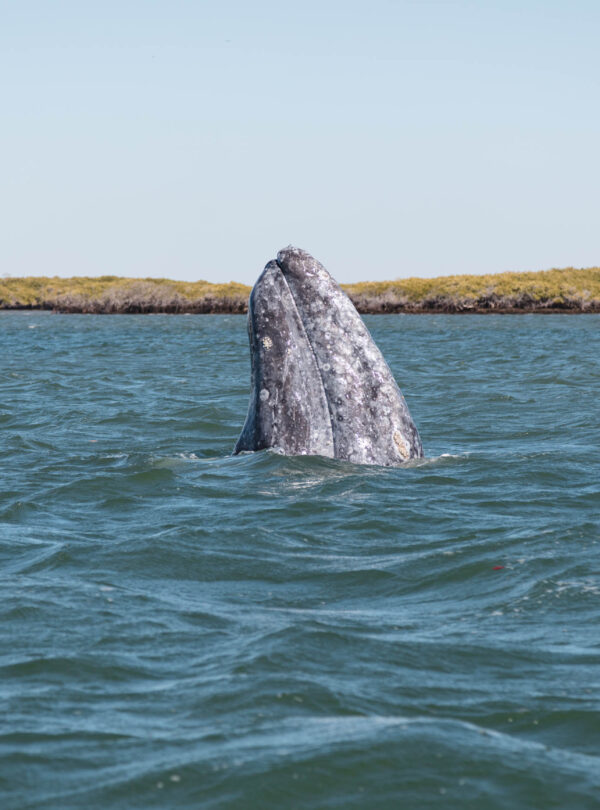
(185, 629)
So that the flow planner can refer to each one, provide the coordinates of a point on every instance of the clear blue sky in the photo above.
(193, 139)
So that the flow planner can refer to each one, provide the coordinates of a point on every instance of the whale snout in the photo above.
(298, 265)
(292, 254)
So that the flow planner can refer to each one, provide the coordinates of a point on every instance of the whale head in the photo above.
(319, 384)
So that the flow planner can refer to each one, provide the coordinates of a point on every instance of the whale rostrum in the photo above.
(319, 384)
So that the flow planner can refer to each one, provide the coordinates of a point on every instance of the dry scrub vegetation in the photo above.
(111, 294)
(567, 290)
(546, 290)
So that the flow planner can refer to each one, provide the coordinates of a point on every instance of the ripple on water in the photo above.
(183, 628)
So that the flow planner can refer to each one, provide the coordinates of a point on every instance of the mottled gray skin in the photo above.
(320, 385)
(288, 408)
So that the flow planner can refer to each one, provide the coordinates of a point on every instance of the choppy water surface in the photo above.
(185, 629)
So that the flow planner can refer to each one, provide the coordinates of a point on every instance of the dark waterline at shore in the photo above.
(227, 308)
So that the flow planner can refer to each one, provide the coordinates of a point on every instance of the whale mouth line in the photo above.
(312, 350)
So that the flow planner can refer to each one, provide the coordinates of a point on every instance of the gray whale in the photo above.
(319, 384)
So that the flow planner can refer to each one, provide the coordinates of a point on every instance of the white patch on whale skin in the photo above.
(264, 395)
(402, 445)
(267, 343)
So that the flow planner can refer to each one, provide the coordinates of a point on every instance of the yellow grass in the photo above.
(548, 285)
(31, 291)
(577, 289)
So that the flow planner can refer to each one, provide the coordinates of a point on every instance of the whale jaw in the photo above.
(319, 384)
(288, 409)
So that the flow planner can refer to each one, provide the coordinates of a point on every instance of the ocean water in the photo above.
(181, 628)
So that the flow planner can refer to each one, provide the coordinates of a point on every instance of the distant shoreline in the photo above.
(223, 308)
(567, 291)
